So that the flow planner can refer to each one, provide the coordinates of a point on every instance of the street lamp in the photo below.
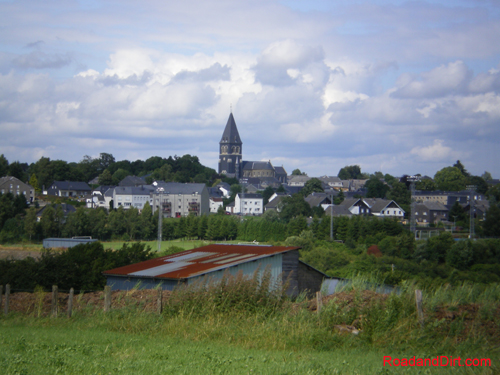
(160, 216)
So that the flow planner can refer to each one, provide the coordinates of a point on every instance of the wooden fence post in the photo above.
(107, 298)
(54, 307)
(420, 312)
(7, 296)
(70, 302)
(159, 297)
(319, 302)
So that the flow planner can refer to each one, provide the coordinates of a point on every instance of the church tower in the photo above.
(230, 150)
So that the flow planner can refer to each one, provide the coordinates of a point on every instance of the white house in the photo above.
(248, 204)
(215, 203)
(384, 208)
(132, 196)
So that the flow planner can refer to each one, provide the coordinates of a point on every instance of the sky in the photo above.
(401, 87)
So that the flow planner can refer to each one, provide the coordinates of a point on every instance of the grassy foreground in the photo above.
(241, 326)
(30, 346)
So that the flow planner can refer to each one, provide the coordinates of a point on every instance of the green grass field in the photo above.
(80, 346)
(184, 244)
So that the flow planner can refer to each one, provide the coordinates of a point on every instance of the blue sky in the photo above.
(394, 86)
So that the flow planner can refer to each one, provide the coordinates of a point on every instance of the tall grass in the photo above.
(253, 314)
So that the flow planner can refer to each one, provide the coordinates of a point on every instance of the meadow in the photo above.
(239, 327)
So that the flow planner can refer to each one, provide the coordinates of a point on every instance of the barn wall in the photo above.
(273, 263)
(309, 279)
(51, 243)
(128, 283)
(290, 272)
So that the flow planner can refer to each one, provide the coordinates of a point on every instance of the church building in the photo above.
(232, 165)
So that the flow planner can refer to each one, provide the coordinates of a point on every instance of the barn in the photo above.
(210, 262)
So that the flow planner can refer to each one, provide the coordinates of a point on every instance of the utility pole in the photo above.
(160, 216)
(331, 218)
(471, 189)
(413, 219)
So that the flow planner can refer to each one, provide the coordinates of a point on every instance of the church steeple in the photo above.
(230, 150)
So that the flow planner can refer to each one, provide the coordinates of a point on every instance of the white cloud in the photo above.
(437, 152)
(394, 85)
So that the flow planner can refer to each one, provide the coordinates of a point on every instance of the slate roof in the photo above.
(280, 170)
(70, 185)
(316, 199)
(181, 188)
(434, 206)
(257, 165)
(250, 196)
(298, 179)
(134, 190)
(330, 179)
(274, 203)
(337, 211)
(214, 192)
(230, 134)
(132, 181)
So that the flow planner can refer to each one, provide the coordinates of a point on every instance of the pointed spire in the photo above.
(231, 134)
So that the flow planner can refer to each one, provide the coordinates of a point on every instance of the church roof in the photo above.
(256, 165)
(231, 134)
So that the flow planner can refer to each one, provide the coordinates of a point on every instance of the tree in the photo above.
(312, 185)
(493, 193)
(294, 206)
(462, 169)
(30, 222)
(339, 198)
(34, 183)
(450, 179)
(105, 160)
(460, 255)
(4, 166)
(399, 194)
(480, 184)
(16, 170)
(105, 178)
(297, 172)
(119, 175)
(425, 184)
(491, 224)
(457, 213)
(390, 179)
(350, 172)
(163, 173)
(376, 188)
(146, 222)
(487, 176)
(267, 193)
(48, 222)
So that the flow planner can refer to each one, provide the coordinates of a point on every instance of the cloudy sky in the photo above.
(401, 87)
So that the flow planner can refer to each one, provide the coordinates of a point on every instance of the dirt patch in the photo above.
(364, 298)
(18, 254)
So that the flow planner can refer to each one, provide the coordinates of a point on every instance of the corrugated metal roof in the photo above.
(199, 261)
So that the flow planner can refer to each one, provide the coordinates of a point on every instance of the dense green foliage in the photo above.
(110, 172)
(79, 267)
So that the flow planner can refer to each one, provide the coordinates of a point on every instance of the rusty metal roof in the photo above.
(198, 261)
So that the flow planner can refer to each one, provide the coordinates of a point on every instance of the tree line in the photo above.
(108, 170)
